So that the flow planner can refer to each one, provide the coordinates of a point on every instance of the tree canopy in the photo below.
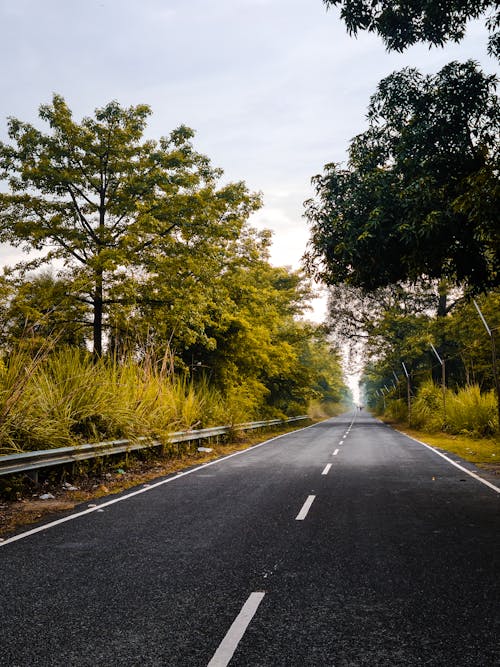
(401, 24)
(99, 196)
(153, 260)
(420, 194)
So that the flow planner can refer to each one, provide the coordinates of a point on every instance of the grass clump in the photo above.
(66, 397)
(427, 408)
(468, 411)
(471, 412)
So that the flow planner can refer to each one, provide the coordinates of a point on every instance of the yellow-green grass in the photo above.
(481, 451)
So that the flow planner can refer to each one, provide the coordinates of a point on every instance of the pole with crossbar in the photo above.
(443, 380)
(491, 334)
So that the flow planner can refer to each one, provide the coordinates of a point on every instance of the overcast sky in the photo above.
(273, 88)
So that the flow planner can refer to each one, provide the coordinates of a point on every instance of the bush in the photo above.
(397, 410)
(470, 412)
(68, 398)
(427, 408)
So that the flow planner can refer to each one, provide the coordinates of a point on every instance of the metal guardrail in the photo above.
(31, 462)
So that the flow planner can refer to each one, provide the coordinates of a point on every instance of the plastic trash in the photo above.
(69, 487)
(46, 496)
(205, 449)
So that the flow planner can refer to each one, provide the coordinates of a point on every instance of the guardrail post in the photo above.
(33, 475)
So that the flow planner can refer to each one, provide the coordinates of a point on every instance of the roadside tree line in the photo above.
(406, 233)
(139, 252)
(429, 357)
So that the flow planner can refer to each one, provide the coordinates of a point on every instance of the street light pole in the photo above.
(408, 389)
(443, 381)
(493, 357)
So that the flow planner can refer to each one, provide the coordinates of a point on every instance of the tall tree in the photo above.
(403, 23)
(100, 197)
(420, 191)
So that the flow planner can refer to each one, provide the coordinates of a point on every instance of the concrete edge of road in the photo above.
(125, 495)
(457, 464)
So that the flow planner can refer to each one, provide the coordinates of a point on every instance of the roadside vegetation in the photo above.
(483, 452)
(405, 232)
(147, 302)
(453, 405)
(468, 426)
(436, 372)
(466, 411)
(64, 397)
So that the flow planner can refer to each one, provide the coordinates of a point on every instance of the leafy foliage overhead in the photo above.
(420, 194)
(403, 23)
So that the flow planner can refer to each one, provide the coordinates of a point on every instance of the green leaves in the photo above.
(417, 196)
(401, 24)
(103, 199)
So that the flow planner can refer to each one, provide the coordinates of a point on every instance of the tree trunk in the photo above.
(442, 304)
(99, 273)
(97, 325)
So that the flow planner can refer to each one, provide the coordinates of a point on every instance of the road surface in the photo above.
(342, 544)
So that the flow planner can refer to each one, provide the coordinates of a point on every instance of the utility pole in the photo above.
(443, 381)
(408, 388)
(493, 357)
(397, 382)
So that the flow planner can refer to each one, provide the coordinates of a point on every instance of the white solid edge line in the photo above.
(228, 645)
(335, 452)
(327, 469)
(454, 463)
(57, 522)
(305, 508)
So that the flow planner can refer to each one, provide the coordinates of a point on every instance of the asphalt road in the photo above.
(342, 544)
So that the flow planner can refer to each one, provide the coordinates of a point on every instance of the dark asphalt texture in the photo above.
(396, 563)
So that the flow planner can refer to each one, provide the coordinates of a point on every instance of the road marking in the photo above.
(126, 496)
(327, 469)
(305, 508)
(228, 645)
(335, 452)
(454, 463)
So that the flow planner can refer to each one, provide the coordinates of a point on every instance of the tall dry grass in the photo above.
(472, 412)
(468, 411)
(65, 398)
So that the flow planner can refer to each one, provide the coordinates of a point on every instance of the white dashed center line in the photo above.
(305, 508)
(227, 647)
(335, 452)
(327, 469)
